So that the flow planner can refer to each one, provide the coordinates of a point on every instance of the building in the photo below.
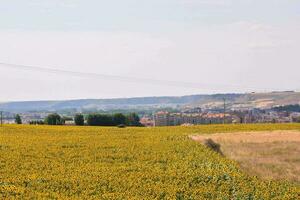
(176, 119)
(147, 121)
(161, 119)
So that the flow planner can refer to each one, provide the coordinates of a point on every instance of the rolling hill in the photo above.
(235, 101)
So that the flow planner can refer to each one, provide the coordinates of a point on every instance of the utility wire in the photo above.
(125, 78)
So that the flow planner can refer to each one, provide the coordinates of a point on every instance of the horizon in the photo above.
(140, 97)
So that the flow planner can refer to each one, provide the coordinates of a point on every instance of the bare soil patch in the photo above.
(269, 155)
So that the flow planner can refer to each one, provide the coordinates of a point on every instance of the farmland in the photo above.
(267, 154)
(131, 163)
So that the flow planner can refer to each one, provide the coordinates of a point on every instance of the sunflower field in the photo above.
(66, 162)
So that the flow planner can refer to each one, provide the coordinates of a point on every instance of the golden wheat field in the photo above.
(44, 162)
(267, 154)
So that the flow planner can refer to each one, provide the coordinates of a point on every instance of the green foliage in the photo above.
(18, 119)
(36, 122)
(119, 118)
(288, 108)
(100, 120)
(54, 119)
(79, 119)
(131, 119)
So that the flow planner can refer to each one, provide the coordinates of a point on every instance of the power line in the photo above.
(103, 76)
(124, 78)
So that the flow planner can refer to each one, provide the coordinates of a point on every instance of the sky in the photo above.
(156, 48)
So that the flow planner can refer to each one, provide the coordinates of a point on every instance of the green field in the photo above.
(132, 163)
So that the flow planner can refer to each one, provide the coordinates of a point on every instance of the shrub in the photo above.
(79, 120)
(100, 120)
(18, 119)
(37, 122)
(133, 120)
(113, 120)
(119, 118)
(213, 146)
(54, 119)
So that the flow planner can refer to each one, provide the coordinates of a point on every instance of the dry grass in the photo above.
(270, 155)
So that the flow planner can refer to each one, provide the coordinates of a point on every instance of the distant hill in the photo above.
(99, 104)
(252, 100)
(237, 101)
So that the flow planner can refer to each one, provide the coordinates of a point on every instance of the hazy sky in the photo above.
(218, 45)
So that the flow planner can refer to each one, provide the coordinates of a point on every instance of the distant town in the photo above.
(172, 117)
(197, 116)
(272, 107)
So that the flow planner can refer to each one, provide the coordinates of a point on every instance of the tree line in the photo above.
(95, 119)
(288, 108)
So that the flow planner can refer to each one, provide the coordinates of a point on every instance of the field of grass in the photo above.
(267, 154)
(131, 163)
